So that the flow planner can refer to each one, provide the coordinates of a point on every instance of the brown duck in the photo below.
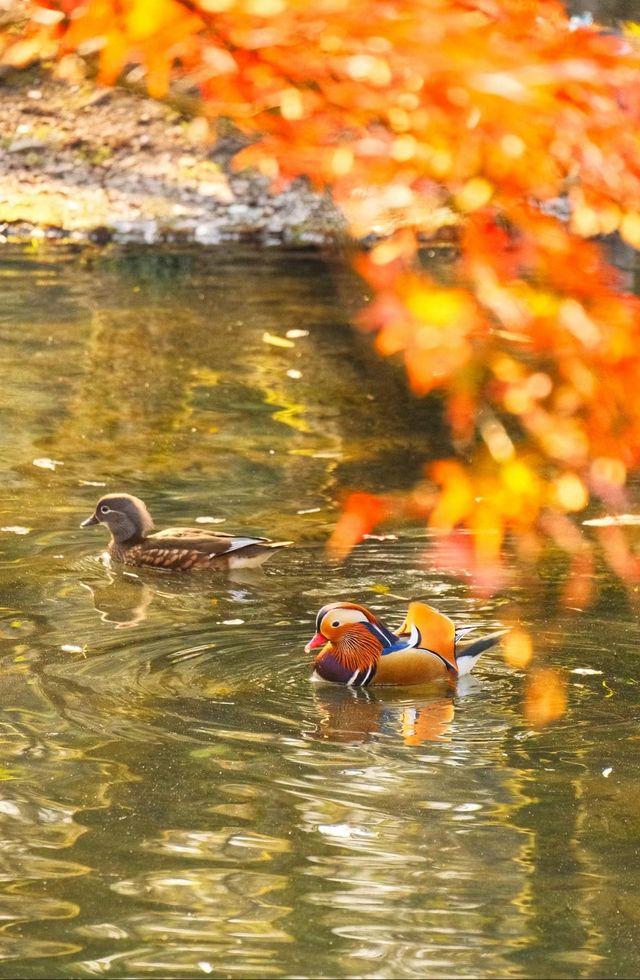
(178, 548)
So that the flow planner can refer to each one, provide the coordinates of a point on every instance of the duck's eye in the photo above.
(104, 509)
(336, 623)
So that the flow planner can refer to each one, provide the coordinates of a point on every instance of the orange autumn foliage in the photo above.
(360, 512)
(484, 118)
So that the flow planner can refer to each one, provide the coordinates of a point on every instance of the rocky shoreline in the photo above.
(84, 163)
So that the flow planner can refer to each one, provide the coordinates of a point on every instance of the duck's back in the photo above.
(186, 548)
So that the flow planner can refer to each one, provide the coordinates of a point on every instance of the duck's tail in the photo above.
(467, 654)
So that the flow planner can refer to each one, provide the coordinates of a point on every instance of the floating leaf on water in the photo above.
(294, 334)
(321, 454)
(210, 520)
(607, 772)
(275, 341)
(613, 520)
(15, 529)
(47, 464)
(71, 648)
(232, 622)
(382, 589)
(294, 373)
(206, 751)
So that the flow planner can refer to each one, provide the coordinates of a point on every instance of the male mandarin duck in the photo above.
(178, 548)
(358, 649)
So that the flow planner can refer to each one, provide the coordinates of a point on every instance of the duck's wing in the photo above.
(210, 543)
(199, 537)
(184, 548)
(427, 629)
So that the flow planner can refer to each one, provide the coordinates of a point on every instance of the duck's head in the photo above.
(334, 620)
(351, 641)
(126, 517)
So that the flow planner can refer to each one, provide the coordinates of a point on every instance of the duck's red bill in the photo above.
(318, 641)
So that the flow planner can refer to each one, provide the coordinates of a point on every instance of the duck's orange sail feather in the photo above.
(437, 632)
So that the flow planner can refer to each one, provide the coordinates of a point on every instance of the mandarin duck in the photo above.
(358, 649)
(177, 548)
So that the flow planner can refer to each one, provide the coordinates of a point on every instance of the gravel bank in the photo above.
(79, 162)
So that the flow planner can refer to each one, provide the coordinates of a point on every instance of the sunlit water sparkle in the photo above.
(178, 800)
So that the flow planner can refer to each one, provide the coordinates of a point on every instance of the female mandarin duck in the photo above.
(358, 650)
(178, 548)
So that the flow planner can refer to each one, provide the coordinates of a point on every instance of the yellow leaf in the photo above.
(265, 8)
(585, 221)
(571, 492)
(291, 106)
(146, 19)
(158, 75)
(475, 194)
(216, 6)
(438, 307)
(275, 341)
(630, 228)
(456, 501)
(112, 57)
(404, 148)
(517, 649)
(341, 161)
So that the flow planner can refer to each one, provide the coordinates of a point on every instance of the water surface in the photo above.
(177, 799)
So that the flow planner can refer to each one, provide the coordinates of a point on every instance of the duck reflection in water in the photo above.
(123, 601)
(357, 715)
(125, 598)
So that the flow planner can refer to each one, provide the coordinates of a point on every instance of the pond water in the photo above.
(176, 799)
